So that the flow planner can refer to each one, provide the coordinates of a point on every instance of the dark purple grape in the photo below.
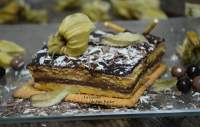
(196, 83)
(178, 71)
(193, 71)
(2, 72)
(184, 84)
(17, 63)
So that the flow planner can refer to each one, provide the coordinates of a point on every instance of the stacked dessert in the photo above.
(104, 68)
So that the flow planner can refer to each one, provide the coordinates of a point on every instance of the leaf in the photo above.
(163, 84)
(96, 10)
(61, 5)
(5, 59)
(36, 16)
(10, 47)
(188, 50)
(73, 35)
(124, 39)
(52, 97)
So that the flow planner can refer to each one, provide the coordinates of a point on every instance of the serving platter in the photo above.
(166, 103)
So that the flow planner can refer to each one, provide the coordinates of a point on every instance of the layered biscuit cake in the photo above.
(101, 70)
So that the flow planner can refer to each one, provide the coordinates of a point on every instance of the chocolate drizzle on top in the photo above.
(101, 58)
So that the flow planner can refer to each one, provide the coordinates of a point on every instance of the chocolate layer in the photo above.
(103, 86)
(73, 82)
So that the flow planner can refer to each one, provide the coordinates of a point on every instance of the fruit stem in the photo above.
(193, 37)
(150, 27)
(115, 26)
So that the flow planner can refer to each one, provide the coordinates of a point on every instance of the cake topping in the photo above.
(72, 37)
(123, 39)
(100, 57)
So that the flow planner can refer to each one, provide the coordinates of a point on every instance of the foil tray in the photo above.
(166, 103)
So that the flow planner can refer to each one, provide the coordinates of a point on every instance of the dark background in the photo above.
(173, 8)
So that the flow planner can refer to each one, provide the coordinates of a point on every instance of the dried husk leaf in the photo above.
(36, 16)
(124, 39)
(52, 97)
(62, 5)
(97, 10)
(121, 8)
(73, 36)
(17, 10)
(5, 59)
(10, 47)
(164, 84)
(139, 9)
(188, 52)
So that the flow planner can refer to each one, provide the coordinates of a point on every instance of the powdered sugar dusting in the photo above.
(60, 61)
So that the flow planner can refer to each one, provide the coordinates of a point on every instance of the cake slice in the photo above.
(101, 70)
